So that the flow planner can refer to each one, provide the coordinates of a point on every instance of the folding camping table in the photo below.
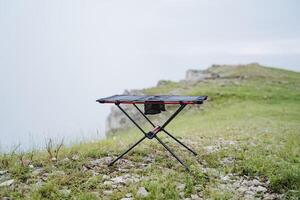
(154, 105)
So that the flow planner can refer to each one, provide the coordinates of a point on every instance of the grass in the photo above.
(260, 114)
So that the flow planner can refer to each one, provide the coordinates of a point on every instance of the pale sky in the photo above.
(57, 57)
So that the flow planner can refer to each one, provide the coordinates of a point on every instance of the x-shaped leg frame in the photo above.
(153, 134)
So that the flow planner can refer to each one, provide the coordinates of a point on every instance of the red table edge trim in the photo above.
(152, 102)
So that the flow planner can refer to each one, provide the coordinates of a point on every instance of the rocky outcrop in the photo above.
(162, 83)
(116, 120)
(225, 72)
(193, 75)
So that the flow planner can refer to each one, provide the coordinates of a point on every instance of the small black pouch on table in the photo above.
(153, 108)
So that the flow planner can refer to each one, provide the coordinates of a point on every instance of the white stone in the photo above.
(128, 195)
(37, 171)
(261, 189)
(142, 192)
(227, 160)
(105, 177)
(180, 186)
(136, 180)
(270, 196)
(7, 183)
(127, 176)
(249, 197)
(211, 149)
(39, 183)
(75, 157)
(101, 161)
(84, 168)
(66, 159)
(45, 177)
(236, 184)
(181, 194)
(247, 183)
(253, 188)
(198, 188)
(225, 178)
(256, 182)
(249, 193)
(242, 189)
(107, 183)
(118, 180)
(2, 172)
(94, 173)
(107, 192)
(195, 197)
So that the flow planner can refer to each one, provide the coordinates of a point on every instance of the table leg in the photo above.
(120, 156)
(180, 142)
(173, 154)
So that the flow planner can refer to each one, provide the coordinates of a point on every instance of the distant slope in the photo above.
(245, 82)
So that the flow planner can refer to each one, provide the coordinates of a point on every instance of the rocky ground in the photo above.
(127, 172)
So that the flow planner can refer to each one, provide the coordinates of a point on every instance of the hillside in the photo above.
(247, 136)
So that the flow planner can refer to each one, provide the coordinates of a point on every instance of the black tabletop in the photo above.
(153, 99)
